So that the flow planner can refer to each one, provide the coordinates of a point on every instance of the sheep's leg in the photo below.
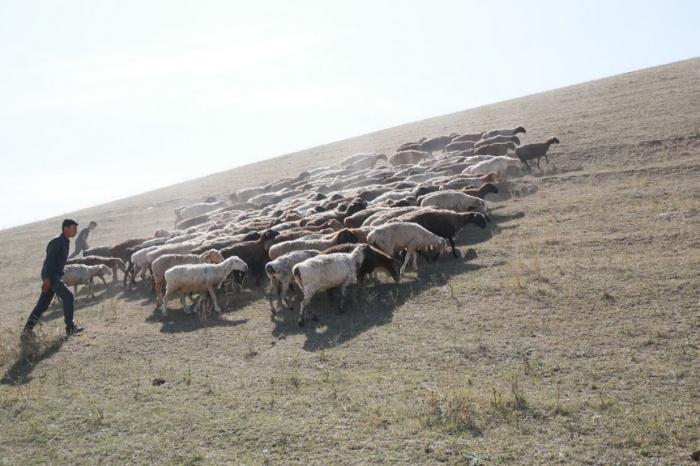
(282, 289)
(128, 271)
(114, 274)
(538, 162)
(212, 293)
(405, 263)
(415, 261)
(183, 303)
(274, 287)
(454, 250)
(546, 158)
(104, 281)
(75, 290)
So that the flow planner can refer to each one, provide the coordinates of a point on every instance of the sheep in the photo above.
(408, 157)
(444, 223)
(374, 259)
(453, 200)
(410, 146)
(495, 139)
(498, 165)
(459, 146)
(167, 261)
(406, 144)
(327, 271)
(198, 220)
(481, 191)
(503, 132)
(114, 263)
(253, 253)
(194, 210)
(498, 148)
(139, 262)
(468, 182)
(279, 272)
(473, 137)
(318, 244)
(382, 217)
(362, 161)
(198, 278)
(356, 220)
(535, 151)
(436, 143)
(175, 248)
(392, 238)
(79, 274)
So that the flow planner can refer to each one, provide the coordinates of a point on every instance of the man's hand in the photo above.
(46, 285)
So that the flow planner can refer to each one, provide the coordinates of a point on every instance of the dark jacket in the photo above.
(56, 256)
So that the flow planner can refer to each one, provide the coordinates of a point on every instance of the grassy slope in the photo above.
(573, 337)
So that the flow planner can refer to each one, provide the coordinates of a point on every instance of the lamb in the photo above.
(481, 191)
(503, 132)
(199, 278)
(253, 253)
(182, 213)
(498, 165)
(327, 271)
(392, 238)
(139, 262)
(374, 259)
(167, 261)
(456, 201)
(459, 146)
(79, 274)
(535, 151)
(114, 263)
(444, 223)
(318, 244)
(406, 144)
(436, 143)
(408, 157)
(496, 139)
(498, 148)
(279, 271)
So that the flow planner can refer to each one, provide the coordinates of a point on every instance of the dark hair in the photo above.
(68, 223)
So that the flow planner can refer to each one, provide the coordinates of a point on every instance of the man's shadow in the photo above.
(31, 354)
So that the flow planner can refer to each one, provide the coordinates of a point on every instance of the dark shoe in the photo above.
(27, 335)
(74, 330)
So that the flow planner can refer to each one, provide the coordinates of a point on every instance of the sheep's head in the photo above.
(475, 218)
(269, 235)
(382, 157)
(489, 188)
(103, 270)
(519, 129)
(516, 140)
(553, 141)
(213, 256)
(345, 236)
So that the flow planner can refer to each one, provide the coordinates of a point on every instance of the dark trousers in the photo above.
(59, 288)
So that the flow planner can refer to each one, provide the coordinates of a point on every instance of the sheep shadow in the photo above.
(176, 321)
(31, 355)
(374, 310)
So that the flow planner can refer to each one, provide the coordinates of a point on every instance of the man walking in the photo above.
(51, 273)
(81, 241)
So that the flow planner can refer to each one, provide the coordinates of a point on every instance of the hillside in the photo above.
(571, 338)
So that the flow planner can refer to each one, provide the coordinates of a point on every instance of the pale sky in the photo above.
(102, 100)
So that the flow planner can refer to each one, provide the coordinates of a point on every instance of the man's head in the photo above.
(92, 225)
(70, 228)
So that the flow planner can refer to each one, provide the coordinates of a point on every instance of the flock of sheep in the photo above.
(327, 228)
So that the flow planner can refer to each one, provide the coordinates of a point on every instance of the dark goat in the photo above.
(481, 191)
(444, 223)
(253, 253)
(374, 259)
(535, 151)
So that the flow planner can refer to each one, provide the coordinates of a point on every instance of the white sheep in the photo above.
(199, 278)
(498, 165)
(183, 213)
(168, 261)
(393, 238)
(327, 271)
(310, 242)
(453, 200)
(141, 262)
(381, 217)
(408, 157)
(79, 274)
(279, 271)
(175, 248)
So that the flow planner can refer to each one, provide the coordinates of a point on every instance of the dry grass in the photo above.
(572, 337)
